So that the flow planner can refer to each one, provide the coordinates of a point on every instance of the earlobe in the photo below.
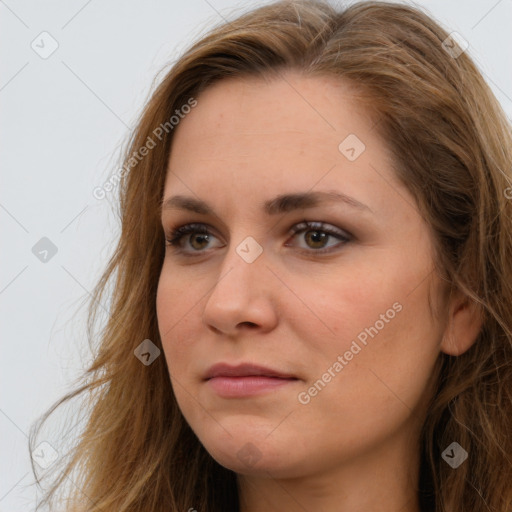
(463, 326)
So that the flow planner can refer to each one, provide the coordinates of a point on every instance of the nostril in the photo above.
(248, 324)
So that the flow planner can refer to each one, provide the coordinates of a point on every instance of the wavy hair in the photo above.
(452, 148)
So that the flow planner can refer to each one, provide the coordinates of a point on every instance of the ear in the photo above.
(463, 325)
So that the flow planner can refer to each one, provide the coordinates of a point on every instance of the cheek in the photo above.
(388, 348)
(381, 329)
(179, 342)
(332, 308)
(176, 300)
(175, 308)
(166, 305)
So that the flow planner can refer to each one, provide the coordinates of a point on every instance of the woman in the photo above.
(312, 303)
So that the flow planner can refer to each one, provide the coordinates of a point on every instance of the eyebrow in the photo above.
(280, 204)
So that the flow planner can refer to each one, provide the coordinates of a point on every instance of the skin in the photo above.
(355, 445)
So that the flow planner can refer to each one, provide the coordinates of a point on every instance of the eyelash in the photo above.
(176, 235)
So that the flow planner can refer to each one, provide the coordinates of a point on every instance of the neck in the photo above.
(385, 479)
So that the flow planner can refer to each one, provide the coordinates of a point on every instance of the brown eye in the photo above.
(201, 240)
(316, 236)
(196, 239)
(197, 236)
(316, 239)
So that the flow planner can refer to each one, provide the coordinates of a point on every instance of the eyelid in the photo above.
(311, 225)
(176, 235)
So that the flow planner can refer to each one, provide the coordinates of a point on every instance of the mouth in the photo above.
(238, 387)
(246, 380)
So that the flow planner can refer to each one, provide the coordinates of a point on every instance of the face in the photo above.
(328, 286)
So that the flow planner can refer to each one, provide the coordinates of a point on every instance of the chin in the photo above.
(246, 453)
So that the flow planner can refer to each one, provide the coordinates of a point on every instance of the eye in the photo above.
(200, 239)
(198, 236)
(317, 234)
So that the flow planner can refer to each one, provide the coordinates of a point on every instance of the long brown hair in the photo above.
(452, 148)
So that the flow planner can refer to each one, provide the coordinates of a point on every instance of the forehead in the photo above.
(314, 108)
(258, 138)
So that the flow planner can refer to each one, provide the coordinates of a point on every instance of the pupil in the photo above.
(318, 236)
(198, 238)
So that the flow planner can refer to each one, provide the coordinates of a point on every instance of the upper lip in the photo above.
(244, 370)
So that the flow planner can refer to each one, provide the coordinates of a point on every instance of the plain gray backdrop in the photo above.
(74, 76)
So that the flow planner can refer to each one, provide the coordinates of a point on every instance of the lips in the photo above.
(245, 370)
(246, 380)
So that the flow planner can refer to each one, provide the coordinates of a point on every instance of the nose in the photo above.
(243, 297)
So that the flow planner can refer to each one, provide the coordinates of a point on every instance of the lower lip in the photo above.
(246, 386)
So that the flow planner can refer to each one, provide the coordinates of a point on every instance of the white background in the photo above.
(63, 121)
